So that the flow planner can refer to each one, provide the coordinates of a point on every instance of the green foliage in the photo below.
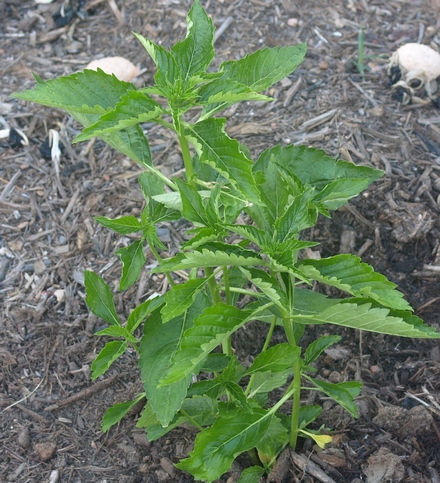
(236, 273)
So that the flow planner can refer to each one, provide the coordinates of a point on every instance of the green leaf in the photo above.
(210, 329)
(273, 442)
(348, 273)
(299, 215)
(141, 312)
(100, 298)
(308, 414)
(267, 284)
(370, 319)
(180, 298)
(110, 352)
(158, 345)
(222, 92)
(89, 92)
(123, 225)
(238, 396)
(316, 348)
(116, 412)
(173, 201)
(308, 302)
(195, 53)
(275, 359)
(216, 148)
(117, 331)
(208, 258)
(263, 68)
(86, 96)
(168, 72)
(133, 108)
(133, 259)
(259, 70)
(337, 193)
(265, 382)
(313, 167)
(216, 448)
(343, 393)
(252, 474)
(193, 208)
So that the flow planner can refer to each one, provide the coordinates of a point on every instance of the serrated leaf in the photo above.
(343, 393)
(168, 72)
(299, 214)
(89, 92)
(273, 442)
(313, 167)
(211, 328)
(123, 225)
(133, 108)
(86, 96)
(308, 302)
(117, 331)
(100, 298)
(316, 348)
(252, 474)
(337, 193)
(216, 448)
(158, 345)
(116, 412)
(348, 273)
(265, 382)
(180, 298)
(208, 258)
(193, 208)
(194, 54)
(260, 70)
(370, 319)
(263, 68)
(216, 148)
(133, 259)
(275, 359)
(110, 352)
(173, 200)
(267, 284)
(222, 92)
(141, 312)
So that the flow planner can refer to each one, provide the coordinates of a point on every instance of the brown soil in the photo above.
(50, 424)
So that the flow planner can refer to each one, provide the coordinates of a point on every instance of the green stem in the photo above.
(216, 298)
(191, 420)
(227, 285)
(296, 383)
(265, 346)
(159, 259)
(187, 160)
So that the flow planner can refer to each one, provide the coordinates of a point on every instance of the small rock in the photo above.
(384, 466)
(323, 65)
(24, 439)
(403, 422)
(293, 22)
(335, 377)
(167, 465)
(45, 451)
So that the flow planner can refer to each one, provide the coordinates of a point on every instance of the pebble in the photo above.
(293, 22)
(323, 65)
(24, 439)
(45, 451)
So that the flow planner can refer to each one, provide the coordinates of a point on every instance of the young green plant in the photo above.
(237, 273)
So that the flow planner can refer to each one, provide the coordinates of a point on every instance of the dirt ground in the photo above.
(51, 411)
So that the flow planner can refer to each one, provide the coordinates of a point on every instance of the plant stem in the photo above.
(296, 383)
(265, 346)
(159, 259)
(227, 286)
(187, 160)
